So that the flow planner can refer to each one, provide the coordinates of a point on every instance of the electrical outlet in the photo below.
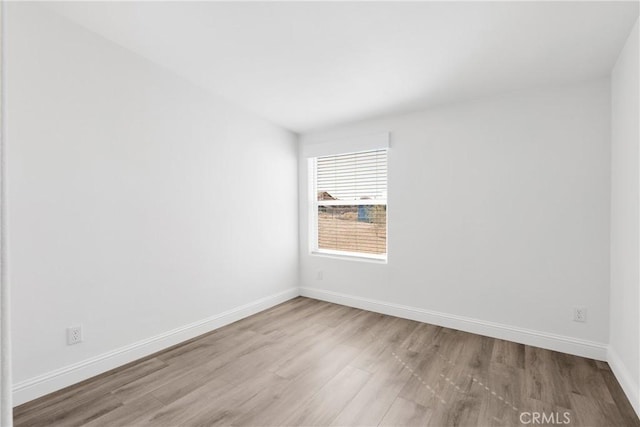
(74, 335)
(319, 275)
(579, 314)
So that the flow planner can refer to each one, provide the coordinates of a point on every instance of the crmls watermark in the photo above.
(545, 418)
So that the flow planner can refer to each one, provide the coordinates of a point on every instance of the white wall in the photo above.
(499, 219)
(6, 393)
(138, 203)
(625, 218)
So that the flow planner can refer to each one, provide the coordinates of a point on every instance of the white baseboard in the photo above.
(579, 347)
(629, 385)
(55, 380)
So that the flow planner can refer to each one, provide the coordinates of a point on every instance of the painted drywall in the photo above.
(6, 400)
(498, 218)
(138, 203)
(625, 219)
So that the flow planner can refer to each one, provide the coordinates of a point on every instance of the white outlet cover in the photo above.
(74, 335)
(580, 314)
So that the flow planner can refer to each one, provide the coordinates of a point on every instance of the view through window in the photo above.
(351, 203)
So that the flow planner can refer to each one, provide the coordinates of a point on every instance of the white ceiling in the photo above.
(308, 65)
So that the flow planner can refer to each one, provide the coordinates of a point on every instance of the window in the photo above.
(349, 214)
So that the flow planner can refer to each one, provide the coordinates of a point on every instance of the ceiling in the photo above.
(309, 65)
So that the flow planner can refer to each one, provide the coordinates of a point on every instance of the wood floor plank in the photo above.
(476, 352)
(296, 362)
(129, 414)
(398, 331)
(183, 363)
(77, 414)
(594, 412)
(227, 406)
(541, 379)
(81, 397)
(272, 406)
(430, 387)
(582, 376)
(508, 353)
(358, 332)
(307, 362)
(463, 412)
(303, 311)
(502, 394)
(369, 406)
(187, 406)
(198, 374)
(299, 348)
(421, 338)
(330, 400)
(406, 413)
(379, 342)
(463, 397)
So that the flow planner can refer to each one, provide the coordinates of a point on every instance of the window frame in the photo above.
(314, 204)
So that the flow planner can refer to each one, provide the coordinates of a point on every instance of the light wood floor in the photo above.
(308, 362)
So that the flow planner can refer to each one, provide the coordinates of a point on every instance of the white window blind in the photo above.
(351, 203)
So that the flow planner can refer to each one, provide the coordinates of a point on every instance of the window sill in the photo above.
(350, 256)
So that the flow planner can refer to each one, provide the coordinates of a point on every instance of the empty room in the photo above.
(320, 213)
